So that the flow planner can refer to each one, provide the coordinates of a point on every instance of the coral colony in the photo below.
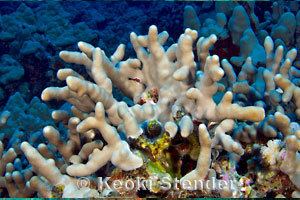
(213, 113)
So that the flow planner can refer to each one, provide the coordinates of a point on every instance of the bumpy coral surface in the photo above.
(216, 114)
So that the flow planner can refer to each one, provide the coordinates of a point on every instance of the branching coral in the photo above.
(178, 93)
(11, 70)
(20, 122)
(117, 151)
(282, 107)
(4, 117)
(172, 73)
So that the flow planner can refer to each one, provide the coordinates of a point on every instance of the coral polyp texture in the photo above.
(215, 114)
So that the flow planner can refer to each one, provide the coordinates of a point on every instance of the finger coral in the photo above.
(215, 112)
(166, 71)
